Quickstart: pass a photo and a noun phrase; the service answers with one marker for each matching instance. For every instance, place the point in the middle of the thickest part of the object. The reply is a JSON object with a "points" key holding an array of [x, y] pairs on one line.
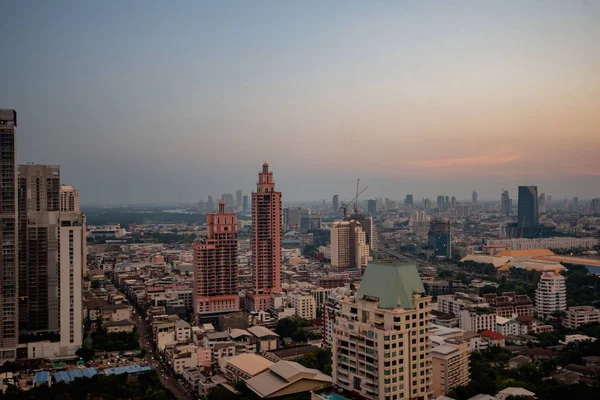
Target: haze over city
{"points": [[177, 101]]}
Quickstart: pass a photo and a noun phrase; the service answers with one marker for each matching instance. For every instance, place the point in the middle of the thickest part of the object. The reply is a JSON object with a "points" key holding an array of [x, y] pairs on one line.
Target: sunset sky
{"points": [[181, 99]]}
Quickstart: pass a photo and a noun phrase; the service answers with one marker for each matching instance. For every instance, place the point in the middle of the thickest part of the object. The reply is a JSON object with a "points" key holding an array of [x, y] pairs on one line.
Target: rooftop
{"points": [[283, 375], [252, 364], [393, 285], [261, 331]]}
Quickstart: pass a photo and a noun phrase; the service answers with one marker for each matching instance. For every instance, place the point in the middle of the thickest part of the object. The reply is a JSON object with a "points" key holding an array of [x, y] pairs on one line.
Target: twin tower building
{"points": [[215, 258]]}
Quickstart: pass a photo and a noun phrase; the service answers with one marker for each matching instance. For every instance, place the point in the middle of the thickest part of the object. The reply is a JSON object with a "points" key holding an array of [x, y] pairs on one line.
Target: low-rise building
{"points": [[244, 366], [509, 304], [455, 303], [285, 378], [477, 319], [119, 326], [494, 338], [266, 339], [577, 316]]}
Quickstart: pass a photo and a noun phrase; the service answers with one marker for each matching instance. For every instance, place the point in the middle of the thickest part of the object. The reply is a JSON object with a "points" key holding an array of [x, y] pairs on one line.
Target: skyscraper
{"points": [[238, 199], [527, 219], [210, 204], [9, 244], [71, 260], [335, 203], [215, 266], [453, 203], [440, 237], [372, 207], [440, 203], [505, 203], [52, 259], [69, 198], [245, 203], [266, 240], [542, 202], [409, 200], [229, 202], [474, 197], [38, 195]]}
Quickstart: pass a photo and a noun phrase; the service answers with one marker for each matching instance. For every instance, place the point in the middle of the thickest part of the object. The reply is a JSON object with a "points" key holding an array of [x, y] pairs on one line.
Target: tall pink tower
{"points": [[266, 241]]}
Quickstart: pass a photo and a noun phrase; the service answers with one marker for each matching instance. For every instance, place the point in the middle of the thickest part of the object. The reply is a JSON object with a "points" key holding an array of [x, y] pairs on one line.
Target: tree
{"points": [[86, 353]]}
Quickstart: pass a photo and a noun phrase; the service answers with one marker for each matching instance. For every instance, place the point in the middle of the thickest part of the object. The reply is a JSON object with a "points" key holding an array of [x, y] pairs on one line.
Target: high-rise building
{"points": [[551, 294], [575, 203], [381, 337], [542, 202], [210, 204], [52, 258], [440, 203], [368, 227], [238, 199], [245, 203], [427, 205], [38, 194], [528, 217], [440, 237], [202, 206], [548, 199], [9, 245], [69, 198], [215, 266], [450, 364], [372, 207], [266, 241], [595, 205], [505, 203], [349, 247], [229, 202], [335, 203], [446, 203], [462, 210], [71, 264], [409, 200], [453, 203], [474, 197]]}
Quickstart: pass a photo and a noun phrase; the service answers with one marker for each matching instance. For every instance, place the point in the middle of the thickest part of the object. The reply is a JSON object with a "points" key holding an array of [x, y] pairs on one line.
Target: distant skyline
{"points": [[139, 100]]}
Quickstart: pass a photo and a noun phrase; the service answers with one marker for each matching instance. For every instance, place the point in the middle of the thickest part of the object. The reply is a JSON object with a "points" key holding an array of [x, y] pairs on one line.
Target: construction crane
{"points": [[355, 200]]}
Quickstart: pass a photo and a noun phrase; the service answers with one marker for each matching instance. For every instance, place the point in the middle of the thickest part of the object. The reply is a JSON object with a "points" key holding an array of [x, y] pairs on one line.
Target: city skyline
{"points": [[410, 98]]}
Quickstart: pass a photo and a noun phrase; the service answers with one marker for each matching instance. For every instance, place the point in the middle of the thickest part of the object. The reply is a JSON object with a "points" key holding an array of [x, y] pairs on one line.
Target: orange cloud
{"points": [[480, 161]]}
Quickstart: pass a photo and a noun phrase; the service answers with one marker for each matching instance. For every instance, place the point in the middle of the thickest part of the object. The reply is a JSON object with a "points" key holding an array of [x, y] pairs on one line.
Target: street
{"points": [[152, 358]]}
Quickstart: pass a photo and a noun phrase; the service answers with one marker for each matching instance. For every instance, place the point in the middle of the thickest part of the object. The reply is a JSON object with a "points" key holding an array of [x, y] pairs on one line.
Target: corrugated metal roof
{"points": [[393, 284], [69, 376], [41, 377], [128, 369]]}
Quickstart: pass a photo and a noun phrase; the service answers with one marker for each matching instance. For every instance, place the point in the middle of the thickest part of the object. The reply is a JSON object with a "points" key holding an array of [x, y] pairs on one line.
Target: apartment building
{"points": [[349, 248], [304, 304], [577, 316], [551, 295], [381, 336], [215, 266], [509, 304], [455, 303], [450, 364], [477, 319]]}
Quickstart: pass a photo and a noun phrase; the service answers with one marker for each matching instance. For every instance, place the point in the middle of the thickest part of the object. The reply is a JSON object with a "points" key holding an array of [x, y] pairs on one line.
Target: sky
{"points": [[146, 100]]}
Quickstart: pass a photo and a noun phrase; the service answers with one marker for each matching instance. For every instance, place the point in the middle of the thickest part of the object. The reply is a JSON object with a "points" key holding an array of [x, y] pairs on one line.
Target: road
{"points": [[403, 257], [152, 358]]}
